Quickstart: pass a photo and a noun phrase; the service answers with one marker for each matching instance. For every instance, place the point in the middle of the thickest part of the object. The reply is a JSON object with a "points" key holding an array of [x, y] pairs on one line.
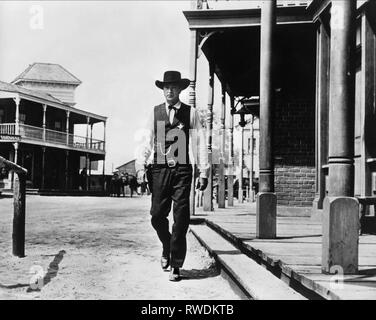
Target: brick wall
{"points": [[295, 153]]}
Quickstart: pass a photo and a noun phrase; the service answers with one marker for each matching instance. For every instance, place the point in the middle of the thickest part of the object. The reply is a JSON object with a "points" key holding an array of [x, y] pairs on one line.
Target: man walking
{"points": [[169, 145]]}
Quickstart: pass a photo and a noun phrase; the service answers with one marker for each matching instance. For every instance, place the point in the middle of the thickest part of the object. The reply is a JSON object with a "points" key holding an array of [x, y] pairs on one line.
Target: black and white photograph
{"points": [[188, 155]]}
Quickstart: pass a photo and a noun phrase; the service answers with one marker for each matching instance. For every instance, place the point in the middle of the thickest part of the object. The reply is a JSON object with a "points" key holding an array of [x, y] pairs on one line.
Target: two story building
{"points": [[38, 129]]}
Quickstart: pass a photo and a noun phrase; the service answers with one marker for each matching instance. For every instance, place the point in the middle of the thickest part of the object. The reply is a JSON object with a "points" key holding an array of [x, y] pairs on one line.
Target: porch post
{"points": [[43, 167], [17, 100], [44, 122], [66, 169], [208, 193], [104, 156], [322, 107], [251, 193], [221, 182], [266, 202], [91, 135], [87, 132], [241, 159], [104, 136], [192, 101], [230, 179], [16, 145], [67, 127], [368, 96], [87, 172], [104, 174], [341, 209]]}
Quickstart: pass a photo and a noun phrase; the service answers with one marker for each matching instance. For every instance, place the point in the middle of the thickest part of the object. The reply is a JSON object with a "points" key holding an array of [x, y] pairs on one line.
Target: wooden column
{"points": [[230, 180], [19, 199], [241, 159], [87, 171], [104, 136], [322, 109], [43, 167], [89, 174], [368, 101], [221, 183], [104, 157], [91, 136], [266, 208], [104, 175], [87, 132], [192, 100], [67, 127], [208, 193], [16, 146], [251, 193], [66, 169], [17, 100], [340, 218], [44, 122]]}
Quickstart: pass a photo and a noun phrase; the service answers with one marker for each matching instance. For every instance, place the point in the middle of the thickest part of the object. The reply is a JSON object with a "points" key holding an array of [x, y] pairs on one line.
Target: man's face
{"points": [[171, 93]]}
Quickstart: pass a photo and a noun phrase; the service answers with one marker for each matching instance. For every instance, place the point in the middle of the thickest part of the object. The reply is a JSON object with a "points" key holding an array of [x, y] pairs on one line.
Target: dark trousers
{"points": [[172, 185]]}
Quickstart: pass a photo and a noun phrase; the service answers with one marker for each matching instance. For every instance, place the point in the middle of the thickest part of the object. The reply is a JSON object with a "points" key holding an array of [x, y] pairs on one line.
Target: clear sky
{"points": [[116, 48]]}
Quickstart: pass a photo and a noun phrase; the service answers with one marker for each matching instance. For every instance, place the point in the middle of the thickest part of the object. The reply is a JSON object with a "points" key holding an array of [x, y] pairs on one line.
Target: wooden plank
{"points": [[9, 165], [299, 255], [260, 283]]}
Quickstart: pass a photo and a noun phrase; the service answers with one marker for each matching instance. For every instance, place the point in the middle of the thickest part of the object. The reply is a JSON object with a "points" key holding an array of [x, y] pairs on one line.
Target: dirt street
{"points": [[98, 248]]}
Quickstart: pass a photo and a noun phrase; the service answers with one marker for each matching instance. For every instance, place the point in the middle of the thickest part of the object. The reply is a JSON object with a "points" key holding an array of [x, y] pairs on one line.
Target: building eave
{"points": [[63, 107], [46, 81], [217, 19]]}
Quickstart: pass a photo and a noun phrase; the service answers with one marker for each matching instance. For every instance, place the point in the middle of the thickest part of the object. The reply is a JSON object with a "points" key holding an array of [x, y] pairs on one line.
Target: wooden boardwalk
{"points": [[297, 251]]}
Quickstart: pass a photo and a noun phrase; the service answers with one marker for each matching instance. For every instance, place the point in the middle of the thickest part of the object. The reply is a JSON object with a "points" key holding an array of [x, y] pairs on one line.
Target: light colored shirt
{"points": [[198, 153]]}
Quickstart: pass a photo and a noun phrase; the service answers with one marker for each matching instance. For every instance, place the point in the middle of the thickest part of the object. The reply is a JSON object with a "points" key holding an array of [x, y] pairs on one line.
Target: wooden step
{"points": [[254, 279]]}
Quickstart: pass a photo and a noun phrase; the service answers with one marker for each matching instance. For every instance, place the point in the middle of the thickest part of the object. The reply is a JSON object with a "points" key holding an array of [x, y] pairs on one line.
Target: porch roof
{"points": [[45, 98], [232, 18]]}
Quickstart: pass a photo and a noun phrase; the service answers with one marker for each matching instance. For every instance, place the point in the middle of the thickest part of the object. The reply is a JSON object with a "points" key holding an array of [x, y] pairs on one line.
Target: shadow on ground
{"points": [[52, 271], [196, 274]]}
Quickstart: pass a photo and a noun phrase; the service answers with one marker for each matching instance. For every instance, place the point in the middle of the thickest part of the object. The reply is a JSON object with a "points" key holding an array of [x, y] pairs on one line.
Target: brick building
{"points": [[300, 122]]}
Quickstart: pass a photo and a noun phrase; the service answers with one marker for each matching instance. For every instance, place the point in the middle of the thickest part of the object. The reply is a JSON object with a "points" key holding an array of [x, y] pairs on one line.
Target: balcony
{"points": [[57, 138]]}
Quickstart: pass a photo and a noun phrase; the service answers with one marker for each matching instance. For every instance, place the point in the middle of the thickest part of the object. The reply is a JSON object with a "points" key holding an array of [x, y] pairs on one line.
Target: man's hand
{"points": [[202, 184]]}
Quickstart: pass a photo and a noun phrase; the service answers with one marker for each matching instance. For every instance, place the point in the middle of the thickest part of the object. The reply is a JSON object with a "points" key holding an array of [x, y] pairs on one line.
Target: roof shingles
{"points": [[47, 72]]}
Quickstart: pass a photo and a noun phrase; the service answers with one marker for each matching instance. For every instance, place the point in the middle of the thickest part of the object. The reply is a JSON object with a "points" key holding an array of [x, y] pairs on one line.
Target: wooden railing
{"points": [[8, 131]]}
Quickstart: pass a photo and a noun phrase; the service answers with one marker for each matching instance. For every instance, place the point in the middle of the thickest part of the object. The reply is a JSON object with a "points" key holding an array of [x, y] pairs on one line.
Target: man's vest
{"points": [[171, 141]]}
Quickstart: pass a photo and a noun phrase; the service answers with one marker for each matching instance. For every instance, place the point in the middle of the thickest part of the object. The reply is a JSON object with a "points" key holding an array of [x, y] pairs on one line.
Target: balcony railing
{"points": [[8, 132]]}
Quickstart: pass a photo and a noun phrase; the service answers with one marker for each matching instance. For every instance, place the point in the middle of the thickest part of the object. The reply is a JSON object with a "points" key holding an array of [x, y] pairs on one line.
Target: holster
{"points": [[149, 176]]}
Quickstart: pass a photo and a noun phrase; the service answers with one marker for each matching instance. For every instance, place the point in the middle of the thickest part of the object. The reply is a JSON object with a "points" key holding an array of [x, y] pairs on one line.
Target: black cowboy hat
{"points": [[172, 77]]}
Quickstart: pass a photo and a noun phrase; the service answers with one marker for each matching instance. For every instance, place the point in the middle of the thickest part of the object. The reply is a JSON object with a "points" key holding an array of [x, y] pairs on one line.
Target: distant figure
{"points": [[123, 183], [83, 178], [115, 185], [131, 181]]}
